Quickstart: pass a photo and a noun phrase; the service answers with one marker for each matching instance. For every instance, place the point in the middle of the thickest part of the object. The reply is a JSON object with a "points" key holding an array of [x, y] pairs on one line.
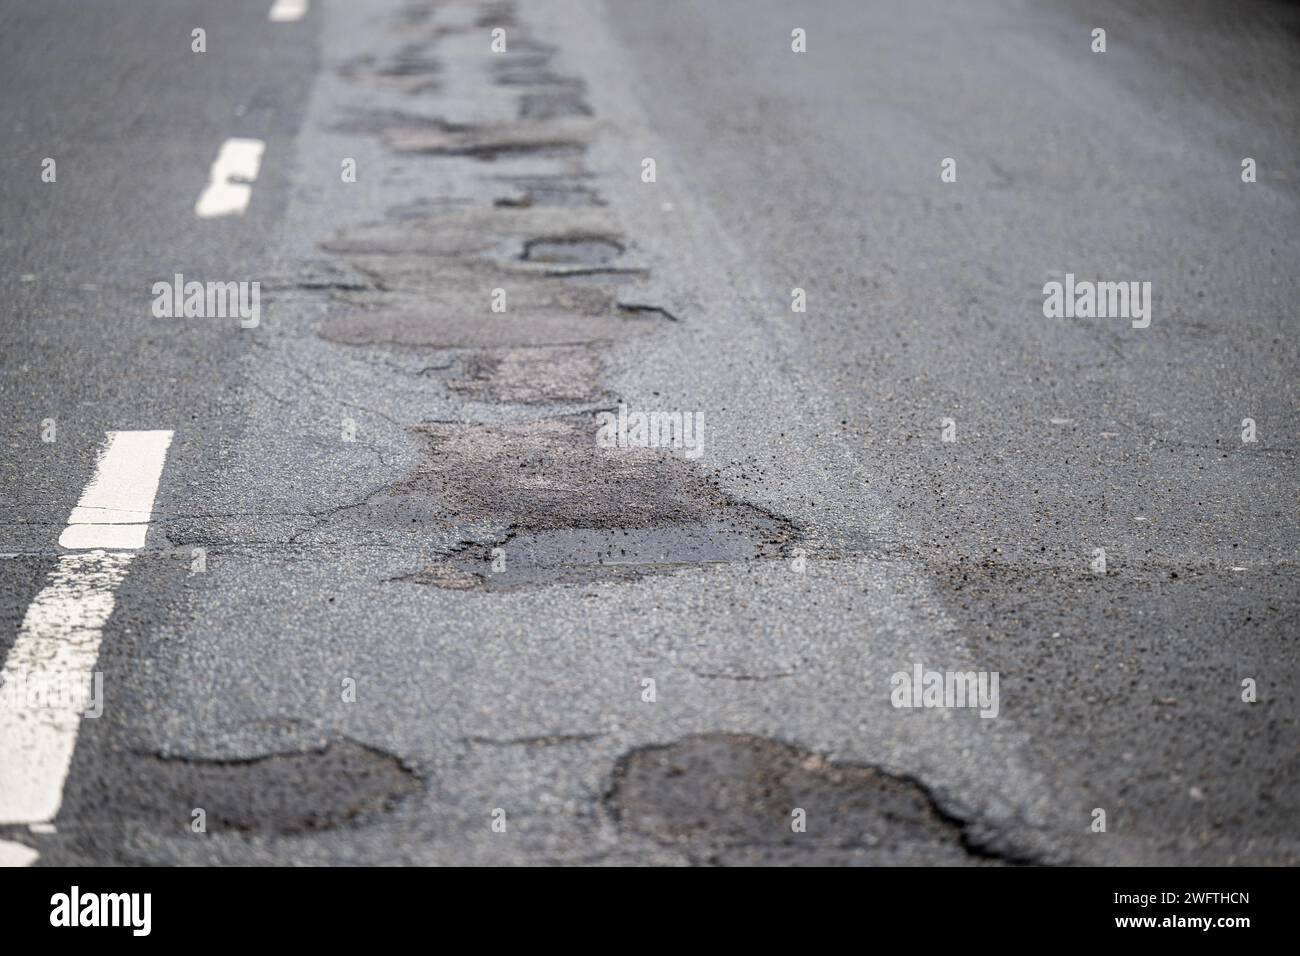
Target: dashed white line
{"points": [[229, 188], [286, 11], [61, 632]]}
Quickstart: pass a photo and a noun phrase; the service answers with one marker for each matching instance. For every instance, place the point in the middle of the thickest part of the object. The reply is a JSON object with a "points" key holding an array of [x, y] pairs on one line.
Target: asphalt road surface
{"points": [[385, 568]]}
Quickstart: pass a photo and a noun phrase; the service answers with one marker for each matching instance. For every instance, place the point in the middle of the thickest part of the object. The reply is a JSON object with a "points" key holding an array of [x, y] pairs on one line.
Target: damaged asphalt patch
{"points": [[283, 794], [548, 191], [541, 138], [588, 250], [553, 104], [568, 509], [549, 254], [550, 474], [586, 554], [730, 798], [409, 71], [526, 275], [531, 376], [431, 281]]}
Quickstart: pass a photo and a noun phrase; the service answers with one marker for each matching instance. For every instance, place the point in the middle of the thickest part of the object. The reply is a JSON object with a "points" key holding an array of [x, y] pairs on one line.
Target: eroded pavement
{"points": [[433, 600]]}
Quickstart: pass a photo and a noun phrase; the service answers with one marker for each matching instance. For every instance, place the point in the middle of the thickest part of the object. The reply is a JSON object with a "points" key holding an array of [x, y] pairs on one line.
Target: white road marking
{"points": [[58, 643], [285, 11], [115, 508], [229, 188], [15, 854]]}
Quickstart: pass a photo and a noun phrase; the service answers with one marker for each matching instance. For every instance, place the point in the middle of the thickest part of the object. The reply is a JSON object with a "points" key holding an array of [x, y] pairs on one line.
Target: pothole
{"points": [[575, 555], [410, 63], [556, 312], [643, 309], [379, 121], [431, 278], [343, 783], [408, 73], [502, 15], [568, 509], [531, 376], [549, 191], [732, 798], [527, 138], [524, 74], [552, 104], [550, 474], [578, 249]]}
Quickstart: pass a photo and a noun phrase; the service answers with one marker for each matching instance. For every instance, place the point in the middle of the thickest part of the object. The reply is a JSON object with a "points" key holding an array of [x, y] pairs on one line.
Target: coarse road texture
{"points": [[400, 603]]}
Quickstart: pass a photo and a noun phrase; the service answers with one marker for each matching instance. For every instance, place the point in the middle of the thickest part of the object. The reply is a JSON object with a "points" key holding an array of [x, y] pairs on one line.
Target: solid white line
{"points": [[228, 190], [58, 643], [16, 854], [115, 508], [285, 11]]}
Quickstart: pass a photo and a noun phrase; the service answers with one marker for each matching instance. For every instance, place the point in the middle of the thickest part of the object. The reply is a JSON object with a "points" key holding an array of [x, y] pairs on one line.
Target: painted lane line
{"points": [[229, 187], [286, 11], [57, 645], [16, 854], [115, 508]]}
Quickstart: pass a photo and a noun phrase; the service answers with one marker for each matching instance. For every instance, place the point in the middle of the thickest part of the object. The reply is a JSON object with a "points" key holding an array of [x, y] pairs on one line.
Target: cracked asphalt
{"points": [[434, 620]]}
